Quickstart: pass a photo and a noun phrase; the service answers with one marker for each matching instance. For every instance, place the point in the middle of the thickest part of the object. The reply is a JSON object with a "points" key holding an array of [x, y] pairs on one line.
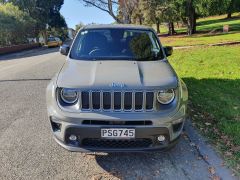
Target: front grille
{"points": [[116, 144], [129, 123], [117, 100]]}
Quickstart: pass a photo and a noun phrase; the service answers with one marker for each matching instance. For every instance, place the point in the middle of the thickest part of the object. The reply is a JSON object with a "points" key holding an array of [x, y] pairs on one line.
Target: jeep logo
{"points": [[117, 85]]}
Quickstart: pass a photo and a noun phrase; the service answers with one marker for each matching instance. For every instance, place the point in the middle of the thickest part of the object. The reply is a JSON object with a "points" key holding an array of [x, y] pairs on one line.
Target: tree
{"points": [[120, 10], [188, 11], [215, 7], [169, 15], [137, 16], [45, 13], [191, 17], [16, 25], [232, 6], [128, 9], [79, 26], [158, 11], [58, 32], [106, 6], [151, 12]]}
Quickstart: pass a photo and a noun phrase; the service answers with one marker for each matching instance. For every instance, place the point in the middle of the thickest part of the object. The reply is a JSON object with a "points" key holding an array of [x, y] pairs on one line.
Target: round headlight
{"points": [[69, 96], [166, 96]]}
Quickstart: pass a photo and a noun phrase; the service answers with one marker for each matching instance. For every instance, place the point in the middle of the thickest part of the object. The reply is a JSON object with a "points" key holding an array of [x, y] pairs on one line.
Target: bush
{"points": [[16, 25]]}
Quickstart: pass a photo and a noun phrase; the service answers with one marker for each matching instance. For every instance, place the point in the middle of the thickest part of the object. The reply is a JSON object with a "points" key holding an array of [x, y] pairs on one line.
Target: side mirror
{"points": [[168, 50], [64, 49]]}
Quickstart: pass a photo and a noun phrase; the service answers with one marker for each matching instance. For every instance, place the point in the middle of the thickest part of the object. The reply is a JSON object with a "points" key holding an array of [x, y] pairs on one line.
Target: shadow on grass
{"points": [[218, 102], [213, 21], [232, 27]]}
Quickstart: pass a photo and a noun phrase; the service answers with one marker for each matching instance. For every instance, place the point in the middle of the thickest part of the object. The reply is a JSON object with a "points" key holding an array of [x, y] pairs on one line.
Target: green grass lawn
{"points": [[211, 32], [217, 22], [212, 75], [200, 39]]}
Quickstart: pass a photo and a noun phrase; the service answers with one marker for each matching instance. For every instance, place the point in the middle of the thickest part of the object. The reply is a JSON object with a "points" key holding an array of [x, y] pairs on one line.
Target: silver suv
{"points": [[116, 92]]}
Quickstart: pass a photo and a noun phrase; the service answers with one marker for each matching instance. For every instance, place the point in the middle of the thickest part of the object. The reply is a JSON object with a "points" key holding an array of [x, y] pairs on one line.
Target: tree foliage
{"points": [[45, 14], [165, 11], [16, 25], [159, 11], [108, 6], [79, 26]]}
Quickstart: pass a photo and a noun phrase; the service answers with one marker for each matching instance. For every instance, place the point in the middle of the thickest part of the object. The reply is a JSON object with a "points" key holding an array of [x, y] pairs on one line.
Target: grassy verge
{"points": [[202, 39], [213, 78], [210, 32]]}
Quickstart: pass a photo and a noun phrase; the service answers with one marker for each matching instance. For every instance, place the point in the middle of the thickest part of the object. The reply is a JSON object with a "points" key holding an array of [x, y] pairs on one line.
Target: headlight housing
{"points": [[69, 96], [166, 96]]}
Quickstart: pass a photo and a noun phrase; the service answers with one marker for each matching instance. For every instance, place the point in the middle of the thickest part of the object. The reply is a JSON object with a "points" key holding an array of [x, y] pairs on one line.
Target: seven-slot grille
{"points": [[117, 100]]}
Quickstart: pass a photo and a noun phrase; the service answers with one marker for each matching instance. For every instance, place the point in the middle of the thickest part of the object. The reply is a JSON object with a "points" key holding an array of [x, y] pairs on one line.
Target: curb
{"points": [[208, 153], [24, 52]]}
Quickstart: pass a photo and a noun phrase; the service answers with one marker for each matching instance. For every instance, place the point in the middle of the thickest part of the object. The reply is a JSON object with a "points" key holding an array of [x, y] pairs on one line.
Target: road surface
{"points": [[28, 151]]}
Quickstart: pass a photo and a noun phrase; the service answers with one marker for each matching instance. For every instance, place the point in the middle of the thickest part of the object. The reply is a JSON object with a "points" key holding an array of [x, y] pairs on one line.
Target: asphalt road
{"points": [[28, 151]]}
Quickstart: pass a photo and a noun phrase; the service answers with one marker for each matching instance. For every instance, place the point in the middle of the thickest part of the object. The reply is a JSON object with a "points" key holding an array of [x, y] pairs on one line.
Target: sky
{"points": [[74, 12]]}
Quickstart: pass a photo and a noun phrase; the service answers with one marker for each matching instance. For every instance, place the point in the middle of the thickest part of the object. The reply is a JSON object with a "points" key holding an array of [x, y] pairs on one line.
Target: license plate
{"points": [[118, 133]]}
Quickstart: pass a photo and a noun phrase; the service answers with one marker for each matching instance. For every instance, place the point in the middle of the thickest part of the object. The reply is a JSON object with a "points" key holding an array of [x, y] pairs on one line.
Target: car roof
{"points": [[117, 26]]}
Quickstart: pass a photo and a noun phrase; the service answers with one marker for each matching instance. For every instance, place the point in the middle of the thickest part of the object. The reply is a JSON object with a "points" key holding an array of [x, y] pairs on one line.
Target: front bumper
{"points": [[89, 137], [162, 147]]}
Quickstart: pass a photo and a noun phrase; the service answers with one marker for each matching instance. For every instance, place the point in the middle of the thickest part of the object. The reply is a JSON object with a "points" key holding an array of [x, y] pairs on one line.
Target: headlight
{"points": [[166, 96], [69, 96]]}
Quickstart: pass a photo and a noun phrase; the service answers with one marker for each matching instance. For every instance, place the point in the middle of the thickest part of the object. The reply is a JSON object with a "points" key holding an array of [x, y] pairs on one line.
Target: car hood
{"points": [[117, 74]]}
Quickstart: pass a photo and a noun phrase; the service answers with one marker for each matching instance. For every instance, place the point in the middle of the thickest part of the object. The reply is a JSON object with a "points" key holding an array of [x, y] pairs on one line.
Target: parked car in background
{"points": [[54, 42], [116, 92]]}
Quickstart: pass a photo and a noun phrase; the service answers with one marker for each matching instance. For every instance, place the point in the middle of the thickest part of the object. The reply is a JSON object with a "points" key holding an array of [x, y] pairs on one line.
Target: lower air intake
{"points": [[116, 144]]}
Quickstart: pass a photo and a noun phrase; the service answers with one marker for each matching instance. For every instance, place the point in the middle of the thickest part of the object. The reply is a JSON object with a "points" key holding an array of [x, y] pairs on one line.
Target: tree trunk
{"points": [[194, 23], [230, 9], [229, 15], [171, 29], [158, 26], [191, 20], [140, 20], [178, 25]]}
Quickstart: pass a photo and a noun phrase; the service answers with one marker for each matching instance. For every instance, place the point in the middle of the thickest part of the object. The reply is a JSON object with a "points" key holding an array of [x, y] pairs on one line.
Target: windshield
{"points": [[51, 39], [116, 44]]}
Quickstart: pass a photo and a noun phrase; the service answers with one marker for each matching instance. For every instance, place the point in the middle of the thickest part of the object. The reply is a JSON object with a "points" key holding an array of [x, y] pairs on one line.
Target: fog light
{"points": [[72, 138], [161, 138]]}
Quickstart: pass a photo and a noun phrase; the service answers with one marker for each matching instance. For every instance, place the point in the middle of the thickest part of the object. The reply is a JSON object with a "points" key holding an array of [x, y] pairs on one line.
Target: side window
{"points": [[107, 35], [154, 41], [127, 34]]}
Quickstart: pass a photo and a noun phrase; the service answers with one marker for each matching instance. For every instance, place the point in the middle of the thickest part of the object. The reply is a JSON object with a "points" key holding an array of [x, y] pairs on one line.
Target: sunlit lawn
{"points": [[211, 32], [200, 39], [212, 75]]}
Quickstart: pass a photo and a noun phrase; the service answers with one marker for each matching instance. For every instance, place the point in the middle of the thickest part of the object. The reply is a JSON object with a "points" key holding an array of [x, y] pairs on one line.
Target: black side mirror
{"points": [[64, 49], [168, 50]]}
